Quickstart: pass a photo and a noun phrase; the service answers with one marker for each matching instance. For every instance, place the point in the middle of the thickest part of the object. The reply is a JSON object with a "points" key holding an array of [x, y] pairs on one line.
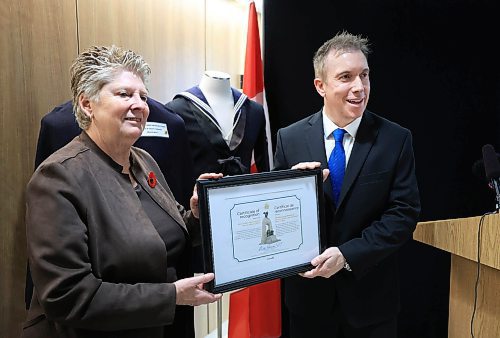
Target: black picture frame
{"points": [[259, 227]]}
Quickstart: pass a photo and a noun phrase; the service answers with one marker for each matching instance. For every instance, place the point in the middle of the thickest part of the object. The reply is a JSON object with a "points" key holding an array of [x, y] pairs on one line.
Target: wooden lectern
{"points": [[460, 238]]}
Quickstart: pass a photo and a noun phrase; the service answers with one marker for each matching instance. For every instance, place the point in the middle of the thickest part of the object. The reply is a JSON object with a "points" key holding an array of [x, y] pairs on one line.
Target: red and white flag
{"points": [[253, 77], [255, 311]]}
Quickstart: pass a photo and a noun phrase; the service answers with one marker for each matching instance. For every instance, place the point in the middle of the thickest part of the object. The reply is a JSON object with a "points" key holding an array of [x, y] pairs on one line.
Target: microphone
{"points": [[492, 170]]}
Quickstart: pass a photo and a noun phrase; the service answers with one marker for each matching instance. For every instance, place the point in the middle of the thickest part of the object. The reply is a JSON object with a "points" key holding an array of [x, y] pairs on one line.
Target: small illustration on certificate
{"points": [[266, 227]]}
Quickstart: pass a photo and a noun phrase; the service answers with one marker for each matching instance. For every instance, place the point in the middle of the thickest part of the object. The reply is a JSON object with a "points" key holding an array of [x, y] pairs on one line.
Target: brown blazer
{"points": [[98, 263]]}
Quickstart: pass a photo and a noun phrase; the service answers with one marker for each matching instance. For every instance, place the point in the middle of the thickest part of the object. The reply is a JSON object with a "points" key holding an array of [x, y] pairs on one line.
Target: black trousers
{"points": [[336, 326]]}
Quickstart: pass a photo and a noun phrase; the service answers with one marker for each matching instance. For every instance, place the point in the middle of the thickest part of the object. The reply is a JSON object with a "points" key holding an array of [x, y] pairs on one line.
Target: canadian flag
{"points": [[255, 311], [253, 77]]}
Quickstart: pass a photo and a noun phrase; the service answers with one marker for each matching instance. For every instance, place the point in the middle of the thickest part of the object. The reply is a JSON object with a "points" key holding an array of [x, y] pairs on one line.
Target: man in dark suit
{"points": [[371, 201], [164, 137]]}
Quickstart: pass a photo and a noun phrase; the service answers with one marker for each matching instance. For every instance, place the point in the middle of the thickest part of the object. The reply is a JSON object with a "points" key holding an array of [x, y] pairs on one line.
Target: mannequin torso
{"points": [[216, 88]]}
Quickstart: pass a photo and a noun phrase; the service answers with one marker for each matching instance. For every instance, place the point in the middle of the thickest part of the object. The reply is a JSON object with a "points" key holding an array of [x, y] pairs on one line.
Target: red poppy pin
{"points": [[152, 179]]}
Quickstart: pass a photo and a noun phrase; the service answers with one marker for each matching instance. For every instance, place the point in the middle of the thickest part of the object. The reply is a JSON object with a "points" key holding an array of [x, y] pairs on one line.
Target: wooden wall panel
{"points": [[226, 38], [38, 43], [169, 34], [40, 39]]}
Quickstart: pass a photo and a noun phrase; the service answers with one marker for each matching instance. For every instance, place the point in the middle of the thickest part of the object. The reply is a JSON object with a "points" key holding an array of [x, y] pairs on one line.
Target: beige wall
{"points": [[40, 38]]}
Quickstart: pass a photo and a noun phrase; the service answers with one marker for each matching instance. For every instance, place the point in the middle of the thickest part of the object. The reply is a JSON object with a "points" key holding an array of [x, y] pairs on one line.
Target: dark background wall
{"points": [[432, 70]]}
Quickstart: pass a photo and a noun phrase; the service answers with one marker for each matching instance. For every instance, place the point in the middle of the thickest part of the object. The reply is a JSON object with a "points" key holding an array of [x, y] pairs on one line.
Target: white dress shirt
{"points": [[349, 137]]}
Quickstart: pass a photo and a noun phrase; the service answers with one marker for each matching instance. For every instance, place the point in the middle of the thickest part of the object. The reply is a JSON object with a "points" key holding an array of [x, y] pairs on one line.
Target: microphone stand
{"points": [[496, 187]]}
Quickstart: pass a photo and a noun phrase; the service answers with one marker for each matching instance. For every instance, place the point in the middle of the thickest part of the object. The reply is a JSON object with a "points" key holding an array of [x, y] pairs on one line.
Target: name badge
{"points": [[155, 129]]}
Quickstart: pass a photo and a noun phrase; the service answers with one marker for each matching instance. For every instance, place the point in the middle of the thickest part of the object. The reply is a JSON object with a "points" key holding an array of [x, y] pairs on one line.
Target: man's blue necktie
{"points": [[336, 164]]}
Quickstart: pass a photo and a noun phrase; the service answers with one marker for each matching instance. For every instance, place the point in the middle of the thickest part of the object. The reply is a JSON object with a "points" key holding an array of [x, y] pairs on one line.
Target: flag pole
{"points": [[255, 311], [219, 318]]}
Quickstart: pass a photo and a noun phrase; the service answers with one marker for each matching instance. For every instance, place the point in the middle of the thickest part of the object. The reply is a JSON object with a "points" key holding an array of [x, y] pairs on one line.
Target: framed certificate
{"points": [[259, 227]]}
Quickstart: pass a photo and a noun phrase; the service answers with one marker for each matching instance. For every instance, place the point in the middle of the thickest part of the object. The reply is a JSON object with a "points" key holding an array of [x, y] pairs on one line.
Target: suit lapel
{"points": [[158, 193], [316, 145], [365, 138]]}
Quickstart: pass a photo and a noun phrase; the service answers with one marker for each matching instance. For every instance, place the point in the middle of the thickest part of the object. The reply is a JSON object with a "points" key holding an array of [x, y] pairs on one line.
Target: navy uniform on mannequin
{"points": [[164, 137], [223, 127], [371, 202]]}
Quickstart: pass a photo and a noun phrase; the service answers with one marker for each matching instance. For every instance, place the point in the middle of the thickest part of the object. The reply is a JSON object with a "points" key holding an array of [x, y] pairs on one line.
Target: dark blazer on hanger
{"points": [[377, 213], [59, 127], [172, 153]]}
